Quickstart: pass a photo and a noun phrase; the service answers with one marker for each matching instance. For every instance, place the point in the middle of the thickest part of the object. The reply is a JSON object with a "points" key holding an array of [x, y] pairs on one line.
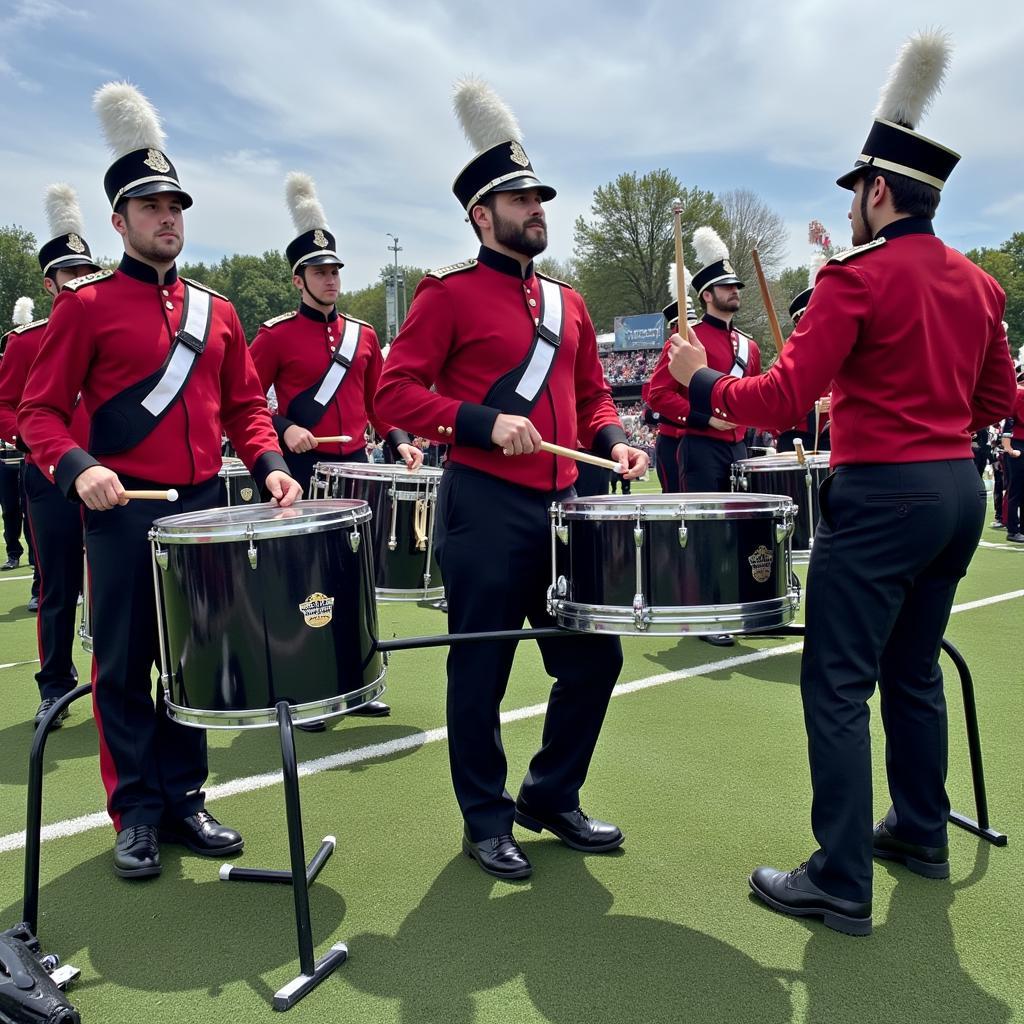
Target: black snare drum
{"points": [[404, 505], [673, 563], [239, 486], [783, 474], [262, 604]]}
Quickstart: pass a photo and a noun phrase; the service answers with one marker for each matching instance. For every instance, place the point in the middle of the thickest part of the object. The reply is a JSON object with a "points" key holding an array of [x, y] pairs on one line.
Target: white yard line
{"points": [[15, 664], [10, 579], [251, 783], [1005, 546]]}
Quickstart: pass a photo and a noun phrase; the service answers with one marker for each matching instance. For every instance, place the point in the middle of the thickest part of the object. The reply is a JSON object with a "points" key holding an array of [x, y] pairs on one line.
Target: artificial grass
{"points": [[706, 775]]}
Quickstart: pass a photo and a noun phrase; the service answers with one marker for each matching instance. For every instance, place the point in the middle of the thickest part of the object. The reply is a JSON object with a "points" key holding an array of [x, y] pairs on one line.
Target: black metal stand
{"points": [[300, 877], [981, 827]]}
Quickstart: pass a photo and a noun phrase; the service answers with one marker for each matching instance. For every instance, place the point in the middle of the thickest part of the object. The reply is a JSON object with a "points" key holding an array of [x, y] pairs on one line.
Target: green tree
{"points": [[19, 274], [560, 270], [622, 253], [1006, 265], [370, 303]]}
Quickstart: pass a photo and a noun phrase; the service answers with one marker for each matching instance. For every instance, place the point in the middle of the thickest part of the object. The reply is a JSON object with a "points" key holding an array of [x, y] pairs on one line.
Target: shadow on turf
{"points": [[783, 668], [75, 740]]}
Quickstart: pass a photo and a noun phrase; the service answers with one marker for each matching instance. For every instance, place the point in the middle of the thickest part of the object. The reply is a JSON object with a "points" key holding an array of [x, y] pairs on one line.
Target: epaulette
{"points": [[356, 320], [842, 257], [455, 268], [275, 320], [744, 333], [28, 327], [79, 282], [548, 277], [204, 287]]}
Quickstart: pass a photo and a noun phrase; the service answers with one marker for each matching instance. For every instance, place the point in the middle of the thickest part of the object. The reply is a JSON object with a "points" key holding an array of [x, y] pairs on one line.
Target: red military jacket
{"points": [[469, 325], [108, 331], [667, 395], [671, 404], [910, 333], [1014, 426], [292, 352], [20, 348]]}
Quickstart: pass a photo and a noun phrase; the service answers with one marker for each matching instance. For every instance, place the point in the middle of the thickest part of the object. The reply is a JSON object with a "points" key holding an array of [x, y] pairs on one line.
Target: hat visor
{"points": [[320, 259], [731, 279], [151, 188], [850, 178], [67, 262], [525, 184]]}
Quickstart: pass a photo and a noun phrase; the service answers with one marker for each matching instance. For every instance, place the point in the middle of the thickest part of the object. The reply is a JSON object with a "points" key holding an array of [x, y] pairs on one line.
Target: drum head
{"points": [[374, 471], [676, 506], [782, 462], [244, 522]]}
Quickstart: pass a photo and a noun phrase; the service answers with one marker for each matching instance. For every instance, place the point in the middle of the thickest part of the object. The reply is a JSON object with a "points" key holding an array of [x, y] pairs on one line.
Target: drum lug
{"points": [[641, 614], [683, 535], [161, 558], [638, 535], [561, 530], [784, 530], [354, 539], [562, 533], [250, 532]]}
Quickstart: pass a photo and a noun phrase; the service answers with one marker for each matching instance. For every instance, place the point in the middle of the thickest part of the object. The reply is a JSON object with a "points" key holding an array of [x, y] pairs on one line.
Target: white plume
{"points": [[818, 260], [129, 121], [23, 308], [303, 204], [62, 210], [485, 117], [673, 285], [709, 246], [915, 78]]}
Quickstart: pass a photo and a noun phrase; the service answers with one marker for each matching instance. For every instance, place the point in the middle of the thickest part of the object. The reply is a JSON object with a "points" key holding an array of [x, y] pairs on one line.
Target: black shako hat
{"points": [[67, 246], [315, 242], [143, 172]]}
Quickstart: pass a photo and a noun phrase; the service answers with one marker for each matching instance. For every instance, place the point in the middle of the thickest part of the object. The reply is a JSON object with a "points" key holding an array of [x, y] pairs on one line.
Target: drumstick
{"points": [[677, 221], [769, 306], [168, 495], [817, 424], [334, 439], [798, 447], [569, 453]]}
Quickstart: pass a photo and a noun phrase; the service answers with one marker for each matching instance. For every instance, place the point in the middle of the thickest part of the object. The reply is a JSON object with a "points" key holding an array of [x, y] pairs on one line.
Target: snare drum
{"points": [[11, 456], [673, 563], [783, 474], [262, 604], [239, 486], [404, 505]]}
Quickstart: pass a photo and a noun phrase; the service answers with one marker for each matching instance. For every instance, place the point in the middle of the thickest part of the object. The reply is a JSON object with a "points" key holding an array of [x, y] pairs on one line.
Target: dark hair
{"points": [[488, 201], [909, 195]]}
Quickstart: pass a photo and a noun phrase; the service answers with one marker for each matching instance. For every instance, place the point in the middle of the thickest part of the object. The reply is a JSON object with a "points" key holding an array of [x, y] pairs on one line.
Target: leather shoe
{"points": [[136, 852], [42, 710], [11, 563], [311, 726], [371, 709], [927, 861], [719, 640], [500, 856], [33, 604], [574, 828], [202, 833], [792, 892]]}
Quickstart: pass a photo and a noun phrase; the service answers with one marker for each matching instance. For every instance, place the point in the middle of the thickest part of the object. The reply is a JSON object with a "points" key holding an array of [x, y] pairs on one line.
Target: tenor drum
{"points": [[239, 486], [404, 506], [673, 563], [262, 604], [783, 474]]}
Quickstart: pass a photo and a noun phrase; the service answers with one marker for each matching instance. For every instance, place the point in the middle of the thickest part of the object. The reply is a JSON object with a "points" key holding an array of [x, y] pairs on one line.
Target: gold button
{"points": [[533, 302], [447, 430], [440, 430], [165, 292], [333, 347], [169, 305], [51, 471], [719, 411]]}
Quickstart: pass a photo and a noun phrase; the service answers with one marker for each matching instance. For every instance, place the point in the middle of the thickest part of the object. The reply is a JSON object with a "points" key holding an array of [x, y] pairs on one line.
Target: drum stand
{"points": [[300, 877]]}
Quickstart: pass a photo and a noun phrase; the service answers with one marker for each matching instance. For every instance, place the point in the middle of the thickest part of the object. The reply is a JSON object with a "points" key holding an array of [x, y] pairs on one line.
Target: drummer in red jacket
{"points": [[161, 365], [909, 333], [514, 358]]}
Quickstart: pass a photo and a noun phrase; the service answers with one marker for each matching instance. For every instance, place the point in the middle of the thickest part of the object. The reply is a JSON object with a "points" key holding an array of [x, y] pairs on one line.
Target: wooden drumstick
{"points": [[334, 439], [798, 447], [677, 224], [569, 453], [817, 425], [769, 306], [169, 495]]}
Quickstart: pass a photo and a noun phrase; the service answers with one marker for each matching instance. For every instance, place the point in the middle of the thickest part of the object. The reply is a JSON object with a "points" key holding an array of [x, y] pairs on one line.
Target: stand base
{"points": [[285, 998], [970, 825]]}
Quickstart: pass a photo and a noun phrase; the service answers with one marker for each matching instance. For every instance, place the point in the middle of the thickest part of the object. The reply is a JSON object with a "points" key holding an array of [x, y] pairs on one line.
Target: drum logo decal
{"points": [[761, 563], [317, 610], [246, 494]]}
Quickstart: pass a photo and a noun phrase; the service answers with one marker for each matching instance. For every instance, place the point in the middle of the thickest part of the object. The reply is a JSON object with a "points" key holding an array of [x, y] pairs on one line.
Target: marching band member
{"points": [[514, 358], [909, 332], [55, 523], [1012, 441], [161, 364]]}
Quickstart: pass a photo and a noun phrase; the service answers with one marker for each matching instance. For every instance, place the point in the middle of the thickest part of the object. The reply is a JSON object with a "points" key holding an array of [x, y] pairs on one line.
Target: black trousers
{"points": [[151, 765], [10, 507], [892, 544], [666, 462], [1014, 488], [55, 526], [998, 485], [300, 464], [706, 464], [493, 545]]}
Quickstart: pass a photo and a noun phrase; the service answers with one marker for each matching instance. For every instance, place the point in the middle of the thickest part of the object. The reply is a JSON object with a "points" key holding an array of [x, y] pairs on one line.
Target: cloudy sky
{"points": [[776, 98]]}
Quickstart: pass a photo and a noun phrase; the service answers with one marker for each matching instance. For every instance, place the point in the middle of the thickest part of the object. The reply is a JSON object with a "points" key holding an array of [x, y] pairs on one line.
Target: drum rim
{"points": [[669, 507], [325, 514], [385, 472], [774, 464]]}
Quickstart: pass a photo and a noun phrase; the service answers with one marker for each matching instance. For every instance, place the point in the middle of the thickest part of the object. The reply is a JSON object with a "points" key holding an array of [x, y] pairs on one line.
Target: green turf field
{"points": [[703, 768]]}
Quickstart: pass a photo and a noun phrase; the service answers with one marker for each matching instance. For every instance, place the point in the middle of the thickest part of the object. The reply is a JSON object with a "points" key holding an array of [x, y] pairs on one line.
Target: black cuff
{"points": [[698, 420], [266, 464], [606, 439], [700, 392], [281, 424], [474, 423], [396, 437], [72, 464]]}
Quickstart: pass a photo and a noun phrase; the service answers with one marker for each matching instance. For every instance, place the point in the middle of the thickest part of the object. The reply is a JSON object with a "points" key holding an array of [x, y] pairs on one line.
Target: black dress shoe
{"points": [[43, 708], [33, 604], [719, 640], [11, 563], [202, 833], [927, 861], [136, 852], [311, 726], [499, 856], [792, 892], [371, 709], [574, 828]]}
